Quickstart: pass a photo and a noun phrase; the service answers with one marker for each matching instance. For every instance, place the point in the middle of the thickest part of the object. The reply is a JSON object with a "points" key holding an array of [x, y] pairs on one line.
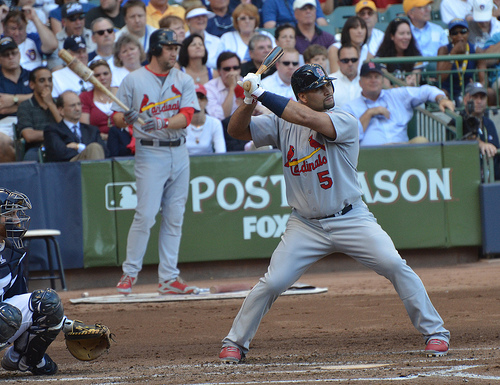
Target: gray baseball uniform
{"points": [[162, 172], [328, 216]]}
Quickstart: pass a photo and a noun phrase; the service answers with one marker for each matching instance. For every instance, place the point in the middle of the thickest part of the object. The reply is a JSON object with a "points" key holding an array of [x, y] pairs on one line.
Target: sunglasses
{"points": [[80, 16], [287, 63], [349, 59], [227, 69], [103, 31], [462, 31]]}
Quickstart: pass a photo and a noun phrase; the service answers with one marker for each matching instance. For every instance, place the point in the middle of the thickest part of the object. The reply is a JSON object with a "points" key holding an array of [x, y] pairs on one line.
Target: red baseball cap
{"points": [[201, 89]]}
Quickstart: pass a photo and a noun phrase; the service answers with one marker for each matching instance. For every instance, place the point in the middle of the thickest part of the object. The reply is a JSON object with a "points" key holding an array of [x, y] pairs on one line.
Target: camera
{"points": [[471, 124]]}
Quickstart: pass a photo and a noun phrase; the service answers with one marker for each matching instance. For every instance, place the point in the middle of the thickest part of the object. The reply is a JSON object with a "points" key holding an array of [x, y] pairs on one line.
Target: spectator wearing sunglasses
{"points": [[221, 90], [280, 81], [222, 22], [457, 75], [399, 41], [55, 15], [246, 21], [73, 18], [346, 81], [32, 46], [104, 36], [367, 10], [135, 23]]}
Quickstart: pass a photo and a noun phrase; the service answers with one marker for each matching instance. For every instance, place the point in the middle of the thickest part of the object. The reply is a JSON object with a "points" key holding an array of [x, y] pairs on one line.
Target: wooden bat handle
{"points": [[247, 85], [87, 75]]}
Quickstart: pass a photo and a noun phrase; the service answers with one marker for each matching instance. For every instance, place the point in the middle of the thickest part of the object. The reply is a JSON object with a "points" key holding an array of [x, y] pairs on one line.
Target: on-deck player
{"points": [[165, 99], [320, 147]]}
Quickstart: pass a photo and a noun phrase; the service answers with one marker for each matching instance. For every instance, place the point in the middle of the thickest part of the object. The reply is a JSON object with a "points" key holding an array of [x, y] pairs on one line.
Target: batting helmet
{"points": [[159, 38], [12, 215], [309, 77]]}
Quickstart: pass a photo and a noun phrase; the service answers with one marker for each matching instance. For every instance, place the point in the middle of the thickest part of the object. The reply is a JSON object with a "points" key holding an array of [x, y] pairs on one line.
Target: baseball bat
{"points": [[271, 58], [230, 287], [87, 75]]}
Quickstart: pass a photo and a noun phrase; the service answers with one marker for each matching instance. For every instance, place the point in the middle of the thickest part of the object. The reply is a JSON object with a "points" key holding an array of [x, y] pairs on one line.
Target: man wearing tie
{"points": [[70, 140]]}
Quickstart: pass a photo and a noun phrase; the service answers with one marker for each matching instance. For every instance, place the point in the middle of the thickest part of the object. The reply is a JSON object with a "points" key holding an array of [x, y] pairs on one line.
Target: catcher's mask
{"points": [[309, 77], [12, 215]]}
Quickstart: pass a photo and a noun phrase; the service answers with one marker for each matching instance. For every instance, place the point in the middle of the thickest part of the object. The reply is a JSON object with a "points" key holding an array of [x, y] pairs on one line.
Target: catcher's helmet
{"points": [[309, 77], [159, 38], [16, 221]]}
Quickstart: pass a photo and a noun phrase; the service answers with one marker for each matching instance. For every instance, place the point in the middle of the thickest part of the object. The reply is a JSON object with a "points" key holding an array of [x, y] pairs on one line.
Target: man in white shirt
{"points": [[367, 10], [103, 35], [346, 84], [429, 36], [280, 81], [197, 20], [483, 24], [135, 23], [65, 79]]}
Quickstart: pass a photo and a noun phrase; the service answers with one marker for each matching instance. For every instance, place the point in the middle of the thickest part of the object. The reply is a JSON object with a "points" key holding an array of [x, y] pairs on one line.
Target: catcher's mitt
{"points": [[88, 342]]}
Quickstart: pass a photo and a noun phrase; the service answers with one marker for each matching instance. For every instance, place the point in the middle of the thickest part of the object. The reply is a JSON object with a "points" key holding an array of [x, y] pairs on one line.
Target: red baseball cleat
{"points": [[125, 284], [436, 348], [231, 355]]}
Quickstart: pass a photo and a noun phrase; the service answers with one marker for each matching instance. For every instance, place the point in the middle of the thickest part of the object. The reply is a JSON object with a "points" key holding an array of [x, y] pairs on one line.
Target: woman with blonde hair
{"points": [[128, 55], [246, 21]]}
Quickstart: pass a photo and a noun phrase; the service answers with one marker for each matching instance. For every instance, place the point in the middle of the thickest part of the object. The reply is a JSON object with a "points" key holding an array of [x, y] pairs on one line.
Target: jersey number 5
{"points": [[324, 180]]}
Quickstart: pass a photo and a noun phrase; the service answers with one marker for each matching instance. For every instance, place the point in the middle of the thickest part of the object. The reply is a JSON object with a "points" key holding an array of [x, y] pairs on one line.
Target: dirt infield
{"points": [[357, 332]]}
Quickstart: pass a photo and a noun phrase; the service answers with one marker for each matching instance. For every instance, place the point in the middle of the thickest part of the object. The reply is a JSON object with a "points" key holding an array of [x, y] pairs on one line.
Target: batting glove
{"points": [[155, 124], [130, 117], [255, 89]]}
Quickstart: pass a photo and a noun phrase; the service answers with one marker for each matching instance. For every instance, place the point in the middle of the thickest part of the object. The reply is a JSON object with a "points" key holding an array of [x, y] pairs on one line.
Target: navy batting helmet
{"points": [[309, 77], [159, 38]]}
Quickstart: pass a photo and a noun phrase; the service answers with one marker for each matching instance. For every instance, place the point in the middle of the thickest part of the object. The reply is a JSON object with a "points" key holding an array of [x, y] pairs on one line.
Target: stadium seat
{"points": [[339, 16], [393, 11]]}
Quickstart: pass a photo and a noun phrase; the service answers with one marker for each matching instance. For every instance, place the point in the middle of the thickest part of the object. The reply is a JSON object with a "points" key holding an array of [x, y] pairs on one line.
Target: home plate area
{"points": [[214, 292]]}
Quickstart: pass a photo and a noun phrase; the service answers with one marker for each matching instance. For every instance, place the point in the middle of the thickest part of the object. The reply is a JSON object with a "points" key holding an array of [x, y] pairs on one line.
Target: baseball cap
{"points": [[200, 11], [7, 43], [366, 68], [74, 43], [70, 9], [408, 5], [457, 23], [365, 4], [482, 10], [475, 88], [298, 4], [200, 89]]}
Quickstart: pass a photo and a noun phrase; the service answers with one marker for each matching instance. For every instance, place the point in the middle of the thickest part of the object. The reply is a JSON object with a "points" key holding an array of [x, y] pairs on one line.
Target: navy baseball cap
{"points": [[7, 43], [457, 23], [74, 43], [70, 9], [366, 68]]}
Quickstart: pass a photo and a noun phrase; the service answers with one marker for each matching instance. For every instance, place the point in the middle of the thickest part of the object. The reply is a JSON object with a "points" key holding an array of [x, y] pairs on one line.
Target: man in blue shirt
{"points": [[14, 80], [383, 115], [277, 12]]}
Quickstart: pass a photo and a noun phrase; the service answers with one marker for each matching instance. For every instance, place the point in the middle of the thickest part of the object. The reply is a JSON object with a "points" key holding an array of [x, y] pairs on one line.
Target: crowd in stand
{"points": [[222, 41]]}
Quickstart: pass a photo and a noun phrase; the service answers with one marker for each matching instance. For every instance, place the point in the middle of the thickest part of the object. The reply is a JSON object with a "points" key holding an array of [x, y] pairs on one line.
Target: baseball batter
{"points": [[320, 150], [165, 99]]}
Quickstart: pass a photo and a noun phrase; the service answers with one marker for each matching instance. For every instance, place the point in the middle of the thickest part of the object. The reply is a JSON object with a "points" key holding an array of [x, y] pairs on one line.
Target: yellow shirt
{"points": [[153, 16]]}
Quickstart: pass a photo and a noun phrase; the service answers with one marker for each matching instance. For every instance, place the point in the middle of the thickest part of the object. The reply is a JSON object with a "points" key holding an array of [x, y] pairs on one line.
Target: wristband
{"points": [[275, 103]]}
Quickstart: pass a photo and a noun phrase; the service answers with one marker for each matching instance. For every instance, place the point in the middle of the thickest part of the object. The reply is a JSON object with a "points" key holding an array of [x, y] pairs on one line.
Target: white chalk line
{"points": [[458, 371]]}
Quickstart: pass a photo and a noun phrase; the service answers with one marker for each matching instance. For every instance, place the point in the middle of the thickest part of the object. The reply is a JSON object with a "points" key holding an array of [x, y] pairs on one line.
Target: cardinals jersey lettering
{"points": [[315, 167]]}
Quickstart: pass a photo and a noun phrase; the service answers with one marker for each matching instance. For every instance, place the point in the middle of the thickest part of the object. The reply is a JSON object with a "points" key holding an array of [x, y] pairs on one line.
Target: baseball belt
{"points": [[344, 211], [163, 143]]}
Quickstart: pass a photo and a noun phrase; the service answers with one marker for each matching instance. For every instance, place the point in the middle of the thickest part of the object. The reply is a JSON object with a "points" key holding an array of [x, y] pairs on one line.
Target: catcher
{"points": [[29, 322]]}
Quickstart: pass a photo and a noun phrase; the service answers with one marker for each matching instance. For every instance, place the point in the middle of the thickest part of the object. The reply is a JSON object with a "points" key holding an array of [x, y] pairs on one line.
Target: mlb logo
{"points": [[121, 196]]}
